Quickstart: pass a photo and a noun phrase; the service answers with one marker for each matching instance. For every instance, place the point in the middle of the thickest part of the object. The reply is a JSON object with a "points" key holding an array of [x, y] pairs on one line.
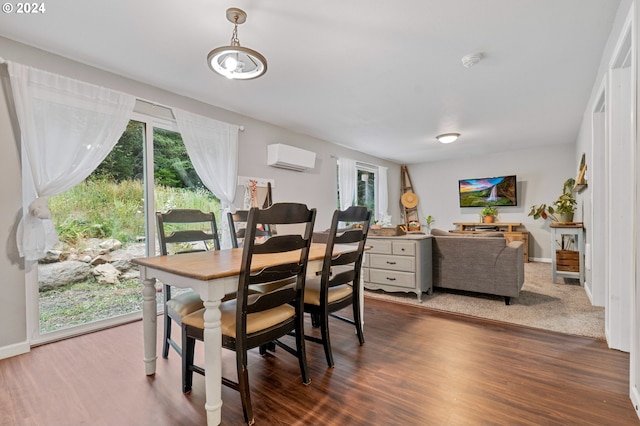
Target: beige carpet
{"points": [[562, 307]]}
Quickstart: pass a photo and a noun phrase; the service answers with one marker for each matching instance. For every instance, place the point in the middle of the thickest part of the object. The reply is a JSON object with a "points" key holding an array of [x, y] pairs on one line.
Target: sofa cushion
{"points": [[440, 233]]}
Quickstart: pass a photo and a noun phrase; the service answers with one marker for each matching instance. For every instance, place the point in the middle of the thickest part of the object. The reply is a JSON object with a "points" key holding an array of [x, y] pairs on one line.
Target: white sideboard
{"points": [[399, 264]]}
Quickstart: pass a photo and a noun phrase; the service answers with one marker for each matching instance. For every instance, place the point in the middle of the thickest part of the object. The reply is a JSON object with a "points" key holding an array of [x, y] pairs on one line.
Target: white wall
{"points": [[317, 188], [540, 173], [13, 335]]}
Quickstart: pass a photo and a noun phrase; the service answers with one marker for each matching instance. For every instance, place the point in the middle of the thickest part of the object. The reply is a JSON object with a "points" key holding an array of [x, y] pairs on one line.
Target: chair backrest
{"points": [[193, 229], [298, 245], [355, 227], [237, 227]]}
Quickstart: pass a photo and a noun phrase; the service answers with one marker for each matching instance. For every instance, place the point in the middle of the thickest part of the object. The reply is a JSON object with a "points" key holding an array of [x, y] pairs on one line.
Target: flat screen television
{"points": [[495, 191]]}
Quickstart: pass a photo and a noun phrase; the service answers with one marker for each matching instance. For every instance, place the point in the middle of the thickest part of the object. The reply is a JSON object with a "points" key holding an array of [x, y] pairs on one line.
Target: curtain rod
{"points": [[153, 103]]}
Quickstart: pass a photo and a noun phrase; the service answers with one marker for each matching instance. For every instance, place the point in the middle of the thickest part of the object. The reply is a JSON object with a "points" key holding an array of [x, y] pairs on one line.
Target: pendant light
{"points": [[234, 61]]}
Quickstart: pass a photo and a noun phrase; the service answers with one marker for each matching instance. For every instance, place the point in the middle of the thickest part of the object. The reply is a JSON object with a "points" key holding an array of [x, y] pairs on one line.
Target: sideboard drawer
{"points": [[379, 246], [392, 278], [396, 263], [405, 248]]}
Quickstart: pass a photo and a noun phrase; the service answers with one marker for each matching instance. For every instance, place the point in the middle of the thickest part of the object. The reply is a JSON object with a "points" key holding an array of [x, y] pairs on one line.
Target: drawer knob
{"points": [[389, 262], [391, 279]]}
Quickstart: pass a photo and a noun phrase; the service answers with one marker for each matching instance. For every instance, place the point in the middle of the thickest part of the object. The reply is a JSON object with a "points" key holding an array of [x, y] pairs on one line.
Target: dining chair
{"points": [[237, 227], [338, 285], [256, 319], [184, 231]]}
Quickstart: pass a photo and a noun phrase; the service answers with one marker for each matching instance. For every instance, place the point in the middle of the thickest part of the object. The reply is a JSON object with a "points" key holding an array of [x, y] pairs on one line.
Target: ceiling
{"points": [[380, 77]]}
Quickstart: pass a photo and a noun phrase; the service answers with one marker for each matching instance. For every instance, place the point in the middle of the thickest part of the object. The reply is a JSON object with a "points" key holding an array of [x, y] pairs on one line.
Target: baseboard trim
{"points": [[540, 259], [15, 349]]}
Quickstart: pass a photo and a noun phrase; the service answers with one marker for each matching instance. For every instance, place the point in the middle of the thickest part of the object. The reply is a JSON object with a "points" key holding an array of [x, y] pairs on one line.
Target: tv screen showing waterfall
{"points": [[495, 191]]}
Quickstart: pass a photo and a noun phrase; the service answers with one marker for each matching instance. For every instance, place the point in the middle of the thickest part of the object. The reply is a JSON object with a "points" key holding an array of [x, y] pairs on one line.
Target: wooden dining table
{"points": [[212, 274]]}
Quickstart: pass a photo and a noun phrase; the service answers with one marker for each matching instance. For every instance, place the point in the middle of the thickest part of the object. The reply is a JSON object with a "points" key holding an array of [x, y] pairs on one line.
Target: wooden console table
{"points": [[507, 229]]}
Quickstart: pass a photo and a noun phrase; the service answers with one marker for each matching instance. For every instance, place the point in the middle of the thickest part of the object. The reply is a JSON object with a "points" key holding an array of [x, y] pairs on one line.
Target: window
{"points": [[367, 185]]}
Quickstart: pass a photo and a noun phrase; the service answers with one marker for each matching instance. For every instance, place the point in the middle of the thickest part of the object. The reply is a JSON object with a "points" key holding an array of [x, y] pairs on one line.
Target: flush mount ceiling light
{"points": [[234, 61], [448, 137]]}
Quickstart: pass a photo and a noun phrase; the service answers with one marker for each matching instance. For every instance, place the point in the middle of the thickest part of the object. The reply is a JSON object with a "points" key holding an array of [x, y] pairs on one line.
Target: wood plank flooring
{"points": [[417, 367]]}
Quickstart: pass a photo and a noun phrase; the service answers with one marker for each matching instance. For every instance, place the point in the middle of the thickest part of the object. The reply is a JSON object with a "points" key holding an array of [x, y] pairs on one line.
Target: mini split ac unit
{"points": [[290, 157]]}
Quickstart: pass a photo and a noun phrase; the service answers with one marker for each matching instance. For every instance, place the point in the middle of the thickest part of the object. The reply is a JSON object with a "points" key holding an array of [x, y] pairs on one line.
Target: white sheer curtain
{"points": [[347, 182], [383, 193], [67, 127], [213, 149]]}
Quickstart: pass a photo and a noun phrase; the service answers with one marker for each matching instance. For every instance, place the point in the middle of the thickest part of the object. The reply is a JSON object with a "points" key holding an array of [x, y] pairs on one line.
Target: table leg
{"points": [[149, 324], [213, 361]]}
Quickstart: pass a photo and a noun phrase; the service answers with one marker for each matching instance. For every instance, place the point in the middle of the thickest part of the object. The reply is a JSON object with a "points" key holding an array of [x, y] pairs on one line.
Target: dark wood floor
{"points": [[418, 367]]}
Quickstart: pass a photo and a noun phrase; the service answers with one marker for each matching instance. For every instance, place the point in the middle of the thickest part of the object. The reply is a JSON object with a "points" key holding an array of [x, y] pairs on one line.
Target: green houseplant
{"points": [[488, 214], [429, 220], [562, 209]]}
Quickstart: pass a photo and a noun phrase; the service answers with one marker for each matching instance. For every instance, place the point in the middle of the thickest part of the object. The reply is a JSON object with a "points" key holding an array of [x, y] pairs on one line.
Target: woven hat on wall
{"points": [[409, 200]]}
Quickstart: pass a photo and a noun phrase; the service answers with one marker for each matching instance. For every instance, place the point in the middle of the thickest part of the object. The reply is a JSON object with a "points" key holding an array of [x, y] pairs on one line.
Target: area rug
{"points": [[562, 306]]}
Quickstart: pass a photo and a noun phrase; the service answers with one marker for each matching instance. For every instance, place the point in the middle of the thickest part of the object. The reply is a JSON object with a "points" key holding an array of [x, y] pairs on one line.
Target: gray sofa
{"points": [[478, 263]]}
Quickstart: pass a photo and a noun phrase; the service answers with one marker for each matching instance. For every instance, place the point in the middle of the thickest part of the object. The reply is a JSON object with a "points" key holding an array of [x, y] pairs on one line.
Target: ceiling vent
{"points": [[290, 157]]}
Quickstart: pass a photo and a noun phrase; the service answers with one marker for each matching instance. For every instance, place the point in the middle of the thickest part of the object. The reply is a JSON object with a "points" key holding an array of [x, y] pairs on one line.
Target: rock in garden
{"points": [[51, 256], [54, 275], [101, 260], [111, 244], [106, 274]]}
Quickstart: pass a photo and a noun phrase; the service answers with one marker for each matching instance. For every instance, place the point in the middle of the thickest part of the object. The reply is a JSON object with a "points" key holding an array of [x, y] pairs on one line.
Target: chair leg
{"points": [[301, 349], [188, 350], [326, 340], [357, 319], [167, 334], [243, 385], [315, 320]]}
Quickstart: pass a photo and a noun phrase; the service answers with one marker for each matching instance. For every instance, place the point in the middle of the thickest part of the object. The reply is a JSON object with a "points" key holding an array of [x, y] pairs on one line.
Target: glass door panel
{"points": [[89, 276]]}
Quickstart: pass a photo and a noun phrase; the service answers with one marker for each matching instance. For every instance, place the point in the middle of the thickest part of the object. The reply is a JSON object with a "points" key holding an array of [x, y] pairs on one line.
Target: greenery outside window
{"points": [[367, 184]]}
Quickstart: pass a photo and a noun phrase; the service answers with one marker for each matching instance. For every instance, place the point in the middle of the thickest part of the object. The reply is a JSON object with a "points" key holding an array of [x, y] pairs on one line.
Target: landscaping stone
{"points": [[106, 260], [54, 275], [111, 244], [106, 274]]}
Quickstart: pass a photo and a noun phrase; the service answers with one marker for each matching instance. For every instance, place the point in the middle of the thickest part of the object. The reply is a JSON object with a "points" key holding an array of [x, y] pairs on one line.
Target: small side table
{"points": [[576, 229]]}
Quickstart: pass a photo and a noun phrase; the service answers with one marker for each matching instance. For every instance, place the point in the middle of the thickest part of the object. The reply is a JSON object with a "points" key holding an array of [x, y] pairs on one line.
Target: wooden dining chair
{"points": [[338, 286], [183, 231], [254, 320], [237, 227]]}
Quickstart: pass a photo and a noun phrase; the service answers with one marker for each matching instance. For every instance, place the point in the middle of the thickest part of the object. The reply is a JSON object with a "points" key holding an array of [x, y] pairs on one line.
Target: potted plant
{"points": [[429, 219], [562, 209], [488, 214]]}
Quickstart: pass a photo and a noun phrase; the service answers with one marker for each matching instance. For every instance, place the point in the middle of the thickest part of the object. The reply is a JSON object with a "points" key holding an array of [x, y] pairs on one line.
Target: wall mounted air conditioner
{"points": [[290, 157]]}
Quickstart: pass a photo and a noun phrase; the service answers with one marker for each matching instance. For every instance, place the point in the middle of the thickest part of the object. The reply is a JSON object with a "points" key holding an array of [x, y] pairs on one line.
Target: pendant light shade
{"points": [[234, 61]]}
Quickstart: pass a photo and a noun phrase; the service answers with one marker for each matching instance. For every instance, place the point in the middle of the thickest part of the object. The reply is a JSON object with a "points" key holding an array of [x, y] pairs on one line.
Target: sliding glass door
{"points": [[88, 281]]}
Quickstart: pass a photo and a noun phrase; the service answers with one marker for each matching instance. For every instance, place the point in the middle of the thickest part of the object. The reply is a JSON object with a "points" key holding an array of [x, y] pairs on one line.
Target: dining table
{"points": [[212, 274]]}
